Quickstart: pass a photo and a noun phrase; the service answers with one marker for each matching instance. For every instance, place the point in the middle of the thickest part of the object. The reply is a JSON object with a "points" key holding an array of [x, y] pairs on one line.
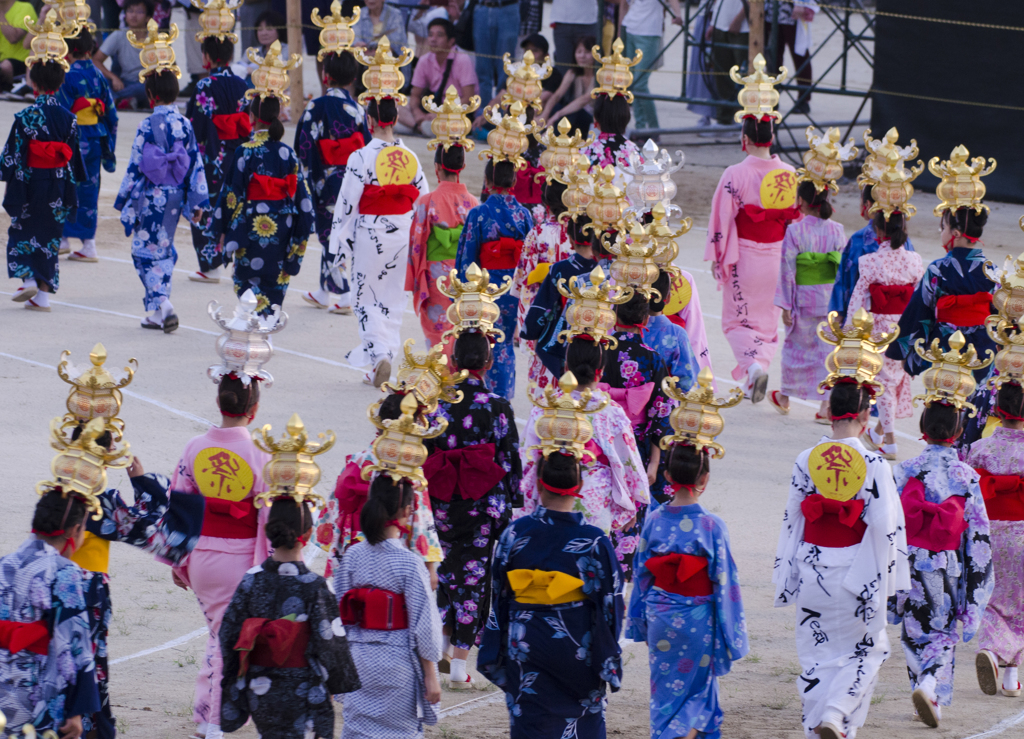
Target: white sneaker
{"points": [[757, 383]]}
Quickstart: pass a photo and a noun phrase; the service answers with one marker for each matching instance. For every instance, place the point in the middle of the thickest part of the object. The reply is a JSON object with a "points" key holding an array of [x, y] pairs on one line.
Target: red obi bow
{"points": [[230, 519], [48, 154], [262, 187], [832, 523], [98, 107], [18, 637], [470, 471], [964, 310], [890, 300], [682, 574], [372, 608], [335, 152], [389, 200], [351, 492], [633, 400], [1004, 496], [232, 126], [280, 642], [764, 225], [501, 253], [937, 527], [527, 190]]}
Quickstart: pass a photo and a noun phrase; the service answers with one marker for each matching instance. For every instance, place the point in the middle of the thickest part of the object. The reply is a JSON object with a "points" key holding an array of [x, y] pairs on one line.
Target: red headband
{"points": [[573, 491]]}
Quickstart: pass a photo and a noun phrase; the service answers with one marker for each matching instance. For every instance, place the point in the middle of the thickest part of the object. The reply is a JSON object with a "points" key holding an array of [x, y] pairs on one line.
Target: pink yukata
{"points": [[803, 353], [693, 321], [888, 268], [753, 202], [231, 471], [1002, 626], [545, 244]]}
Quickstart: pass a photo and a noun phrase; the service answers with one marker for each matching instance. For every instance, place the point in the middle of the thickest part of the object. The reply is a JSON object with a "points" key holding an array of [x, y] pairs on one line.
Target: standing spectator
{"points": [[700, 85], [495, 33], [531, 13], [794, 31], [645, 25], [12, 31], [378, 20], [572, 20], [117, 47], [730, 36], [445, 66]]}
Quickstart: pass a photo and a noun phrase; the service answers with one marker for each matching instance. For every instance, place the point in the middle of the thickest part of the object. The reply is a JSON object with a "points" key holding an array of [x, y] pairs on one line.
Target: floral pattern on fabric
{"points": [[861, 243], [614, 150]]}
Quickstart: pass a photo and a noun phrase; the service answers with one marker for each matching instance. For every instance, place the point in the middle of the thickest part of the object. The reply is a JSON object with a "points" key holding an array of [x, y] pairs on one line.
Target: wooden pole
{"points": [[296, 89], [755, 44]]}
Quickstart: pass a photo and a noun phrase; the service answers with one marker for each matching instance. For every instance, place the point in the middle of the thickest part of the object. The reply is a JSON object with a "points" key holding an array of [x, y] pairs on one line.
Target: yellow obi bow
{"points": [[88, 111], [540, 587], [538, 273]]}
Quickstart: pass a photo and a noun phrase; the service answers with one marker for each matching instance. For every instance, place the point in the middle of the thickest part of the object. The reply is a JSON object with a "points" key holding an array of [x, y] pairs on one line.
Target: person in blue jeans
{"points": [[495, 33]]}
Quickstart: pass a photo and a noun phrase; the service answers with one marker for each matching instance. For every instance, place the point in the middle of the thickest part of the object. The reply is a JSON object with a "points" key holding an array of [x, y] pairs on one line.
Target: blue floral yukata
{"points": [[165, 179], [332, 118], [945, 586], [265, 233], [859, 244], [554, 661], [673, 344], [482, 425], [501, 216], [39, 585], [222, 93], [692, 640], [39, 200], [84, 85]]}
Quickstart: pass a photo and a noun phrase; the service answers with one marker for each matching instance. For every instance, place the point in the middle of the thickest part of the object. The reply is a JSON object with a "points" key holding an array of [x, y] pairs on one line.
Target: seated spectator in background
{"points": [[575, 88], [13, 52], [539, 46], [419, 25], [269, 28], [378, 20], [571, 20], [446, 65], [128, 91]]}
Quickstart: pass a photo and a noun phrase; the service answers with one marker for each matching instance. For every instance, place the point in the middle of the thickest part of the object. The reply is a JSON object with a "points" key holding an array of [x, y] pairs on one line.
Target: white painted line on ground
{"points": [[999, 728], [471, 705], [167, 645]]}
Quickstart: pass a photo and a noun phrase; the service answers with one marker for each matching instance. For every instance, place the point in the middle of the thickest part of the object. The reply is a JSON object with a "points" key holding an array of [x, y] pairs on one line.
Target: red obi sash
{"points": [[1004, 496], [48, 154], [387, 200], [351, 492], [88, 111], [501, 253], [765, 226], [20, 637], [832, 523], [230, 519], [936, 527], [890, 300], [682, 574], [280, 642], [964, 310], [371, 608], [232, 126], [633, 400], [335, 152], [470, 471], [262, 187]]}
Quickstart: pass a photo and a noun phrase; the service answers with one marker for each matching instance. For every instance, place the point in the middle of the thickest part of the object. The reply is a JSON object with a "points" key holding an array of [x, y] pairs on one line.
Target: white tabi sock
{"points": [[446, 645], [215, 272], [42, 299], [164, 310], [1010, 678], [458, 673], [321, 296], [29, 282], [213, 732], [89, 247]]}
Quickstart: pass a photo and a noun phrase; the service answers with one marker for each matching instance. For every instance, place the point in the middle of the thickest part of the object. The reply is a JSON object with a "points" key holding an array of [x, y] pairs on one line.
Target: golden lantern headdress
{"points": [[474, 307], [76, 11], [823, 162], [336, 34], [758, 97], [523, 82], [1009, 361], [961, 185], [1008, 298], [578, 189], [634, 263], [291, 471], [48, 42], [857, 356], [607, 203], [245, 347], [217, 19], [614, 77], [271, 78], [427, 377], [451, 122], [696, 420], [561, 151], [399, 450], [663, 237], [877, 154], [383, 77], [590, 313], [563, 426], [510, 136], [892, 191], [950, 380], [95, 393], [156, 52], [652, 181]]}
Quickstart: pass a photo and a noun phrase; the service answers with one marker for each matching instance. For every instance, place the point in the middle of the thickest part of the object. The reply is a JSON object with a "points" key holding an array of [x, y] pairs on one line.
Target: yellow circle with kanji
{"points": [[395, 166], [778, 189], [220, 473], [679, 296], [838, 471]]}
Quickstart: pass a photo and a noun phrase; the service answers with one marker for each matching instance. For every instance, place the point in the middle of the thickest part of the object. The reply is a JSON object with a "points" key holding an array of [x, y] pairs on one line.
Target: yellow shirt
{"points": [[16, 17]]}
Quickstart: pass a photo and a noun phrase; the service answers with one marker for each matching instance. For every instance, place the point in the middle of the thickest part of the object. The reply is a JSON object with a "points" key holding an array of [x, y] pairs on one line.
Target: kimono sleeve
{"points": [[133, 177], [730, 638], [643, 581], [306, 144], [859, 298], [607, 654], [629, 477], [110, 119], [723, 245], [544, 310], [507, 452], [693, 316], [424, 621], [76, 164], [68, 623], [660, 405], [469, 242], [785, 574], [423, 218], [492, 658], [347, 206], [201, 120], [233, 189], [529, 458], [234, 708], [976, 575], [328, 646], [847, 277], [527, 262], [785, 288], [197, 191], [425, 541], [303, 224]]}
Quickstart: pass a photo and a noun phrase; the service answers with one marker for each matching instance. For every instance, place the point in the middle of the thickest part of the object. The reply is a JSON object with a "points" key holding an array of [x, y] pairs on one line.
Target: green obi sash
{"points": [[813, 268], [443, 243]]}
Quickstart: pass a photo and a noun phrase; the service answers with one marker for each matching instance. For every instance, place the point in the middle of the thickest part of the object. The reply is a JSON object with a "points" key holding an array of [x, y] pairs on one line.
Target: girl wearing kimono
{"points": [[950, 555], [552, 638], [287, 694], [165, 179], [611, 147], [42, 166], [329, 131], [87, 94]]}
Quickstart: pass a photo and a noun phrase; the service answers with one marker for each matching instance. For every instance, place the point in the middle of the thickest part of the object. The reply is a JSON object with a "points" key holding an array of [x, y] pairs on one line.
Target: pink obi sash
{"points": [[937, 527], [633, 400]]}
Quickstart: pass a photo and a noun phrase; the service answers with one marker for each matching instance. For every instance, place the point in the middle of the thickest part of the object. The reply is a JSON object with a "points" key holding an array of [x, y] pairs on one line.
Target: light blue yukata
{"points": [[673, 344]]}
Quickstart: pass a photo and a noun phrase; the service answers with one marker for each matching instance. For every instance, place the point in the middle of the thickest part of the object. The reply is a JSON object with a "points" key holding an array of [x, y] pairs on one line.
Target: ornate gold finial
{"points": [[561, 152], [634, 263], [1008, 299], [577, 195], [336, 35], [474, 307], [271, 79], [510, 136], [589, 312], [1009, 361], [961, 185], [614, 77], [607, 204], [244, 347], [758, 97], [823, 162], [383, 77], [523, 82], [75, 11], [451, 123], [94, 393], [950, 380], [291, 471], [48, 44], [399, 451], [156, 53], [857, 356], [563, 427], [663, 237], [427, 377], [696, 420], [877, 151], [217, 19], [893, 190]]}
